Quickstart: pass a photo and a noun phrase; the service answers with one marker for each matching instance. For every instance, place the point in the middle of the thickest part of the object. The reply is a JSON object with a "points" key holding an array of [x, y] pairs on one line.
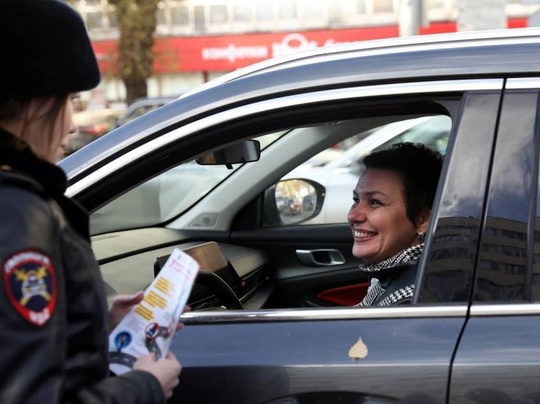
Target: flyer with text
{"points": [[150, 325]]}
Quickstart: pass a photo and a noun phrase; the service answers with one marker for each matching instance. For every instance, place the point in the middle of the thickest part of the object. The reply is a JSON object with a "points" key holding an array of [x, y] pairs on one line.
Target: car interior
{"points": [[225, 207]]}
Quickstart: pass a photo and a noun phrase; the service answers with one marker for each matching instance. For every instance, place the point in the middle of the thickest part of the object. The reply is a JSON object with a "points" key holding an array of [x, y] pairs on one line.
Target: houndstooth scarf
{"points": [[375, 289]]}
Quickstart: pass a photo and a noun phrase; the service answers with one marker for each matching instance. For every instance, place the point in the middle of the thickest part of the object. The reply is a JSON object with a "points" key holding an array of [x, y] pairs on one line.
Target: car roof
{"points": [[153, 100], [145, 101], [449, 41], [514, 52], [490, 54]]}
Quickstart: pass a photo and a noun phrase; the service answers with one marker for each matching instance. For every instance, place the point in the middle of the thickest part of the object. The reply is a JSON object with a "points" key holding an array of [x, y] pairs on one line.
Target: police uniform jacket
{"points": [[53, 326]]}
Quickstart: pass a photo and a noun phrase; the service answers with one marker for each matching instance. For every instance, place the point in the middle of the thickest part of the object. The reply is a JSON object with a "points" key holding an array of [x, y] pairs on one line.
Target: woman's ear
{"points": [[422, 221]]}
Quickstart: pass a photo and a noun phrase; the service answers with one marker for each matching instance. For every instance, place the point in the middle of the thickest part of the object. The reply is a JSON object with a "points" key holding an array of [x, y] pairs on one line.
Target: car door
{"points": [[498, 358], [379, 355], [301, 283]]}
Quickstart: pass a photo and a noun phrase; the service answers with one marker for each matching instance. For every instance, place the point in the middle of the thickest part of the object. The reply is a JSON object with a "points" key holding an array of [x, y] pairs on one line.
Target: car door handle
{"points": [[320, 257]]}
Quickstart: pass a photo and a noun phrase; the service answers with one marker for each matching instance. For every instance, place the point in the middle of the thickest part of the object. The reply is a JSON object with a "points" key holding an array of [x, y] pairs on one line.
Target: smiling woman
{"points": [[390, 217]]}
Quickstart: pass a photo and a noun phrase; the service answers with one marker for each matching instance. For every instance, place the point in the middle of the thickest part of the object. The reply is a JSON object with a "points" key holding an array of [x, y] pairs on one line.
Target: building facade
{"points": [[197, 40]]}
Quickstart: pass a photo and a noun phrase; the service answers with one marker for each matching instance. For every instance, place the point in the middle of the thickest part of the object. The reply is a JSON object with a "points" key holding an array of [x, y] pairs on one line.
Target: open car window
{"points": [[253, 210]]}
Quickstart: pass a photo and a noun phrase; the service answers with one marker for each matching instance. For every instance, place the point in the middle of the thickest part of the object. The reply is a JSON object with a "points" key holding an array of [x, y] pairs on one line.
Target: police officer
{"points": [[53, 321]]}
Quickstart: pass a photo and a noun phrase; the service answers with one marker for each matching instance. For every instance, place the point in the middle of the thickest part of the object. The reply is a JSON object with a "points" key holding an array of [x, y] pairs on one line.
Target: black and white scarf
{"points": [[376, 289]]}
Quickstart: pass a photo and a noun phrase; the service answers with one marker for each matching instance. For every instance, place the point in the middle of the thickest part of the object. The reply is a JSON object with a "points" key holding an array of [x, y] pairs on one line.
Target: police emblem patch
{"points": [[30, 283]]}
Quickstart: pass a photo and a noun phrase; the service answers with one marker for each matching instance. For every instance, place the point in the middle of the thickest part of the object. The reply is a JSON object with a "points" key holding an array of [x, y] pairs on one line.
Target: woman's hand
{"points": [[165, 370]]}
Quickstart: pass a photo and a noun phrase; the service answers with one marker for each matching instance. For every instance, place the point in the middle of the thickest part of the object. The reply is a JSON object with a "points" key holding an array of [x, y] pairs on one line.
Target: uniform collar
{"points": [[48, 178]]}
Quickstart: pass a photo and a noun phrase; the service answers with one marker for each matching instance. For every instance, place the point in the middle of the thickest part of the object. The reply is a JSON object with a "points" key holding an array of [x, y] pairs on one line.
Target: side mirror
{"points": [[293, 201], [243, 152]]}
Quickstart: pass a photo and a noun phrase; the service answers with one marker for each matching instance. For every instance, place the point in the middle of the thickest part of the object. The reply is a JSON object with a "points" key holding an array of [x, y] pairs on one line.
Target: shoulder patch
{"points": [[30, 282]]}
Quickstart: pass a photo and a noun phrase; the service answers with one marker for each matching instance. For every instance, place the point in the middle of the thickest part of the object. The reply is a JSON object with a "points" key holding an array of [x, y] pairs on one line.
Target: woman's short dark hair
{"points": [[420, 168]]}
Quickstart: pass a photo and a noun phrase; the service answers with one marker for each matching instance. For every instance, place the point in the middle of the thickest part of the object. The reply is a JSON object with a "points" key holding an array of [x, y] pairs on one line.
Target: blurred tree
{"points": [[137, 23]]}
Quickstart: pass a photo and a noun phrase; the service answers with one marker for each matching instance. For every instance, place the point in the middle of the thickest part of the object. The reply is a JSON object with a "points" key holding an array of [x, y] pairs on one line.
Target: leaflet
{"points": [[150, 325]]}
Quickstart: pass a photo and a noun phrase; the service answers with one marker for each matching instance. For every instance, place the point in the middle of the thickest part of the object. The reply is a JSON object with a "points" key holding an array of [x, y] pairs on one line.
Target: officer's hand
{"points": [[166, 370], [121, 305]]}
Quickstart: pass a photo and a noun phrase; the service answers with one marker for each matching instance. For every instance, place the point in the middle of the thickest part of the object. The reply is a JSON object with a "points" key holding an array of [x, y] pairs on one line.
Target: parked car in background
{"points": [[90, 125], [141, 106], [340, 173], [276, 326]]}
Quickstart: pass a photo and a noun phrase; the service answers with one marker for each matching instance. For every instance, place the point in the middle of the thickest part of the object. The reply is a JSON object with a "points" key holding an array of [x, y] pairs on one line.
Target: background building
{"points": [[197, 40]]}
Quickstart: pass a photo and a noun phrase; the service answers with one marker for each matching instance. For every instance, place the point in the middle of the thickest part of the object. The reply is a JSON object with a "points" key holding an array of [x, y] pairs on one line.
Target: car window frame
{"points": [[452, 242], [310, 101], [494, 94], [513, 155]]}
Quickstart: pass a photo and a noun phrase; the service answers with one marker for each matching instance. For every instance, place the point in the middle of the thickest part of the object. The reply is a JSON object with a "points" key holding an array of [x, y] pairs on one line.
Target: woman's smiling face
{"points": [[378, 216]]}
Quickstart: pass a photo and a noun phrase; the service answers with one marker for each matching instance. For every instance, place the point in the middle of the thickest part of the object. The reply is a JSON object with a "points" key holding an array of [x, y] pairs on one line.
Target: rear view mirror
{"points": [[243, 152]]}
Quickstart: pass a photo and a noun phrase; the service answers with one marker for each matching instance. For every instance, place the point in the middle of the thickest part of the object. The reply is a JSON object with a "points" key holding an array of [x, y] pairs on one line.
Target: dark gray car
{"points": [[271, 334]]}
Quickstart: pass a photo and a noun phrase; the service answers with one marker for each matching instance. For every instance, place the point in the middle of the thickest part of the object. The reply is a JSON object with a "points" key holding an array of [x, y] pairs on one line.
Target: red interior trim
{"points": [[345, 295]]}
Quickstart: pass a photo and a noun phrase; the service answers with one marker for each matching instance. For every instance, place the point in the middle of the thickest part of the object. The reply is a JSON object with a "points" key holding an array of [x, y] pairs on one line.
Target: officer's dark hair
{"points": [[12, 109], [420, 168]]}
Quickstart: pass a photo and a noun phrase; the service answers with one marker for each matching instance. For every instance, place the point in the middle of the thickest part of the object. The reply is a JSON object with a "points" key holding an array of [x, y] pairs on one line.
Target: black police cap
{"points": [[45, 50]]}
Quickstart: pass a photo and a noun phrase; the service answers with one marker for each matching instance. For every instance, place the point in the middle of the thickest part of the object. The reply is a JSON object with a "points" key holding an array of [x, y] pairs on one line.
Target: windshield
{"points": [[165, 196]]}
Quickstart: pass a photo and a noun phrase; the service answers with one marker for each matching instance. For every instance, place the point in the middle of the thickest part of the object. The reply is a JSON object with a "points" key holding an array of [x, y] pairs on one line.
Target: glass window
{"points": [[166, 196], [160, 198], [200, 18], [180, 15], [505, 250], [218, 14], [161, 16], [113, 22], [243, 12], [536, 256]]}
